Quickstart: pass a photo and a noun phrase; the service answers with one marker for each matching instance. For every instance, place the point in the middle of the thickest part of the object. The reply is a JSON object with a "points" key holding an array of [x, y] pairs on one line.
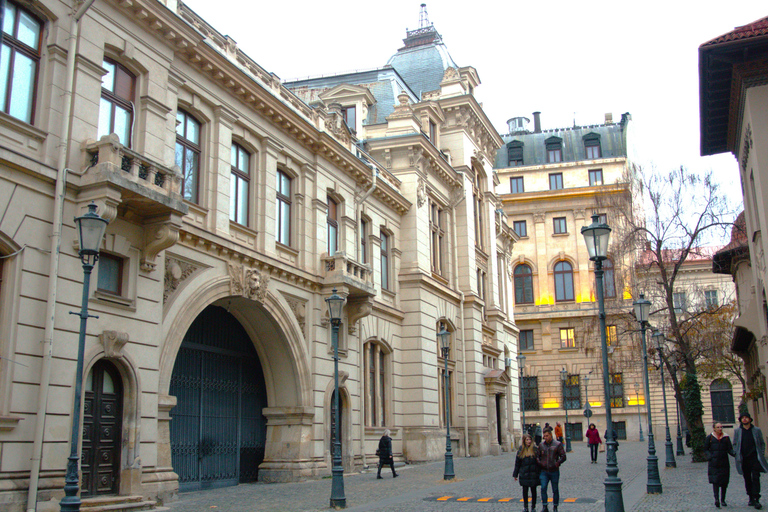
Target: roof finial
{"points": [[423, 17]]}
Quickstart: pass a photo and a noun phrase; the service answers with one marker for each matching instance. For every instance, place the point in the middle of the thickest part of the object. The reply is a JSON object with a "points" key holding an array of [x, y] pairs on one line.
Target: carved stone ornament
{"points": [[176, 271], [157, 237], [356, 311], [421, 193], [538, 218], [450, 74], [113, 342], [299, 309], [248, 282]]}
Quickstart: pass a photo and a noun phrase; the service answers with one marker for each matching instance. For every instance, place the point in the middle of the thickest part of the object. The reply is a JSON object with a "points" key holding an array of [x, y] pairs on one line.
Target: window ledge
{"points": [[388, 293], [560, 234], [18, 125], [287, 248], [114, 300], [568, 349]]}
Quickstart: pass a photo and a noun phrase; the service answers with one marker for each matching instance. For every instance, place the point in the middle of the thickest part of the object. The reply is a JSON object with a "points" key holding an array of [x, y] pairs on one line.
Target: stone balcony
{"points": [[348, 276], [126, 184]]}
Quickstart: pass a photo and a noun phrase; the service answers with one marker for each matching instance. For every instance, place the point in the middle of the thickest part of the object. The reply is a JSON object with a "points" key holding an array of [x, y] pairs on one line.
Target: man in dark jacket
{"points": [[550, 456], [385, 454], [749, 445]]}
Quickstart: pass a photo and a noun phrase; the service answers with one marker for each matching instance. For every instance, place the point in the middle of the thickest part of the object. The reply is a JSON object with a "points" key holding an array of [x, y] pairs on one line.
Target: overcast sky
{"points": [[569, 60]]}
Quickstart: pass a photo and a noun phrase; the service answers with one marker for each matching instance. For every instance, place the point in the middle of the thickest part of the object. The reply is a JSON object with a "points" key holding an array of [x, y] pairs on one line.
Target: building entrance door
{"points": [[102, 422], [218, 432]]}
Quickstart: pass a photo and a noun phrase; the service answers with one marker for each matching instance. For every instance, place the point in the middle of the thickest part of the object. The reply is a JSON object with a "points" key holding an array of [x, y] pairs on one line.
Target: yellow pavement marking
{"points": [[570, 500], [504, 500], [463, 499], [485, 499], [444, 498]]}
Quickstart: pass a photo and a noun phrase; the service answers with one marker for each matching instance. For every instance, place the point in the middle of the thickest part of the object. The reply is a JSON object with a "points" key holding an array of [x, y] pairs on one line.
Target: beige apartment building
{"points": [[236, 204], [733, 96]]}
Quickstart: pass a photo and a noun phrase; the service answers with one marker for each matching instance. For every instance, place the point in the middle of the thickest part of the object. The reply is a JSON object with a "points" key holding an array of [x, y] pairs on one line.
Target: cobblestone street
{"points": [[483, 484]]}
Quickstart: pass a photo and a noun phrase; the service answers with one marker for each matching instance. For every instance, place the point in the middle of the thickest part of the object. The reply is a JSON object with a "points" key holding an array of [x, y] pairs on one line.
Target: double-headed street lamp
{"points": [[521, 365], [597, 236], [659, 337], [445, 346], [564, 377], [642, 312], [90, 231], [680, 449], [338, 500]]}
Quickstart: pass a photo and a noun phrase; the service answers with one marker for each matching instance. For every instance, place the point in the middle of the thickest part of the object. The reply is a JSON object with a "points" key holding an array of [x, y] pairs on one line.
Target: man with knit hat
{"points": [[749, 444]]}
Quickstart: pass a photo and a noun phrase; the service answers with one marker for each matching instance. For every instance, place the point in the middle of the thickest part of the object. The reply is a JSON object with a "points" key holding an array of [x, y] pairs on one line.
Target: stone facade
{"points": [[231, 198]]}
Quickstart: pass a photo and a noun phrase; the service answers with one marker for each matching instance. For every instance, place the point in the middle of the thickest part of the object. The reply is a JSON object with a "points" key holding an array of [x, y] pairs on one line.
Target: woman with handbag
{"points": [[593, 437], [527, 470], [385, 454]]}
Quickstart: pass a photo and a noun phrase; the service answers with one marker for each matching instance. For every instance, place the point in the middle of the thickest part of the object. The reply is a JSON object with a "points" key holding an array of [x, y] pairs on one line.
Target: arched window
{"points": [[376, 363], [188, 153], [609, 279], [22, 33], [721, 395], [239, 181], [563, 281], [523, 284], [116, 108]]}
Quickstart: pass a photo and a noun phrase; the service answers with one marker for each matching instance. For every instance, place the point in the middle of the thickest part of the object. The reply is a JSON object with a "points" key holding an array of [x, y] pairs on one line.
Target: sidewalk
{"points": [[482, 484]]}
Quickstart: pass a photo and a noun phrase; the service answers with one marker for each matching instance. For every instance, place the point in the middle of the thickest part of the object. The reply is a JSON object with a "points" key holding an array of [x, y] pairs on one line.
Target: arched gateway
{"points": [[218, 431]]}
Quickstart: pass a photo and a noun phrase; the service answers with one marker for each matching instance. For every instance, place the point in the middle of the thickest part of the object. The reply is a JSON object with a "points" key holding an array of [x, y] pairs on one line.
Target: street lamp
{"points": [[521, 365], [445, 346], [642, 312], [639, 416], [90, 231], [338, 500], [680, 449], [659, 337], [597, 236], [564, 377]]}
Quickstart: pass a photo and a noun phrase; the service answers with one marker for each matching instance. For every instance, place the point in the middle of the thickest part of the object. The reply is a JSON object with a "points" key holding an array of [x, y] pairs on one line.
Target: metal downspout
{"points": [[461, 315], [360, 384], [53, 270]]}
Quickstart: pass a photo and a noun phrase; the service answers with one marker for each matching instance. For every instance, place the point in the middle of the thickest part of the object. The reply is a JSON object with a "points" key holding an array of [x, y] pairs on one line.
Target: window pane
{"points": [[109, 274], [23, 87], [9, 18], [242, 201], [233, 197], [244, 160], [105, 118], [332, 237], [108, 80], [285, 223], [190, 168], [29, 30], [122, 125], [4, 69], [193, 131], [180, 124]]}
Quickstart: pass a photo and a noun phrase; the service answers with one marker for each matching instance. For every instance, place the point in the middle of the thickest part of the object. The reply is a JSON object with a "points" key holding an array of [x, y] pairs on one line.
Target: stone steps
{"points": [[119, 503]]}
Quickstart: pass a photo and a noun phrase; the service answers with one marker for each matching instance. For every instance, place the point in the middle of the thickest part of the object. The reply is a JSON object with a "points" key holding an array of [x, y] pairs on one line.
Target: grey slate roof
{"points": [[612, 143], [423, 67]]}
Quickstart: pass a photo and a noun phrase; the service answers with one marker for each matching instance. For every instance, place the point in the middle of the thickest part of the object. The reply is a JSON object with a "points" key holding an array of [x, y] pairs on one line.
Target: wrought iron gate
{"points": [[218, 433]]}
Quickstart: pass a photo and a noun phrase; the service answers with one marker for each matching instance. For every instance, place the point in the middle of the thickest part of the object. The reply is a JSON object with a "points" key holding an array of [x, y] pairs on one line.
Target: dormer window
{"points": [[592, 146], [350, 117], [554, 147], [515, 153]]}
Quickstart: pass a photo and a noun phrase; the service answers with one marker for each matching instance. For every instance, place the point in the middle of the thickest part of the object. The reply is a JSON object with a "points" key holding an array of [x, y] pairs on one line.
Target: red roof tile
{"points": [[755, 29]]}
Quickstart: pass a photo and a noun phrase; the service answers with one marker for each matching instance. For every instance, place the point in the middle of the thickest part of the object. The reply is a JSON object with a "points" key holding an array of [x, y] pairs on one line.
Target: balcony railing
{"points": [[342, 271]]}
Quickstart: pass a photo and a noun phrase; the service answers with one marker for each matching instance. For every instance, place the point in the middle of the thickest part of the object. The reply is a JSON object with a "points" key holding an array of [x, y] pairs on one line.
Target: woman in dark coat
{"points": [[527, 471], [385, 454], [717, 447]]}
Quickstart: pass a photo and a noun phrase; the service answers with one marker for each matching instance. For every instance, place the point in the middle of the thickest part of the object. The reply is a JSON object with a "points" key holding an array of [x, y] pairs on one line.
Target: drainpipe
{"points": [[360, 385], [461, 313], [53, 270]]}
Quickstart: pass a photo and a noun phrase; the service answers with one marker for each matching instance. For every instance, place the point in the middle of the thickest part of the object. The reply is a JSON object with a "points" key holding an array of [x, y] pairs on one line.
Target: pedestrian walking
{"points": [[537, 434], [717, 447], [559, 431], [550, 456], [527, 470], [385, 454], [593, 438], [749, 445]]}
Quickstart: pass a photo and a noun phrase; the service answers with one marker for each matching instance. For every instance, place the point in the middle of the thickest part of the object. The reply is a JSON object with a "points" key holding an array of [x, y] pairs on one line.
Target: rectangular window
{"points": [[679, 302], [710, 296], [617, 389], [515, 154], [554, 156], [384, 261], [375, 384], [437, 228], [530, 393], [433, 132], [115, 108], [188, 154], [363, 241], [110, 279], [521, 228], [567, 337], [19, 62], [333, 227], [239, 181], [481, 284], [556, 181], [593, 150], [526, 339], [560, 225], [595, 177], [350, 117], [611, 338], [283, 217], [516, 185], [572, 392]]}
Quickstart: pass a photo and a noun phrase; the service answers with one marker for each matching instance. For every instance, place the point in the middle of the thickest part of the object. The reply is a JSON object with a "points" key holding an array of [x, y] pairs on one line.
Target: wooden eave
{"points": [[194, 41]]}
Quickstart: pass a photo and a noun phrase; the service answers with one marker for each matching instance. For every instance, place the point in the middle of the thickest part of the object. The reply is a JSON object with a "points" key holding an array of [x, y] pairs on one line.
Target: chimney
{"points": [[537, 122], [608, 118]]}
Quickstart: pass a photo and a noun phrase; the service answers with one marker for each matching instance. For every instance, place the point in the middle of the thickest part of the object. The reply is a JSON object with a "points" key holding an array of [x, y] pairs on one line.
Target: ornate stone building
{"points": [[236, 204]]}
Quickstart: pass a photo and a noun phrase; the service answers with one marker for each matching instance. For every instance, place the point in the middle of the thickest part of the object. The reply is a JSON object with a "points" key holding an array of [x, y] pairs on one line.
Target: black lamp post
{"points": [[659, 337], [564, 377], [338, 500], [445, 346], [597, 236], [639, 415], [521, 365], [642, 312], [90, 230], [680, 449]]}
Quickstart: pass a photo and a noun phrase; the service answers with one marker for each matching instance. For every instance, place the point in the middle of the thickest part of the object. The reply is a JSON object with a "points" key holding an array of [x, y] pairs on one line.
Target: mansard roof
{"points": [[423, 60]]}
